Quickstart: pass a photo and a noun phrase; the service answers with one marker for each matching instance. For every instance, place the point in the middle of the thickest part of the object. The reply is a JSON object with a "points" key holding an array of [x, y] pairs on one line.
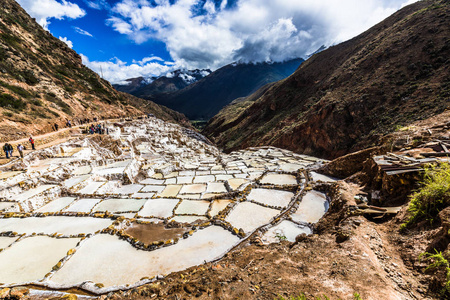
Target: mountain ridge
{"points": [[347, 97], [170, 82], [204, 98]]}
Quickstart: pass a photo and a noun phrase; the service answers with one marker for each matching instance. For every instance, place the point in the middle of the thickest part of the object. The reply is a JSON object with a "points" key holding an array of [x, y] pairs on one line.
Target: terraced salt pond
{"points": [[80, 215]]}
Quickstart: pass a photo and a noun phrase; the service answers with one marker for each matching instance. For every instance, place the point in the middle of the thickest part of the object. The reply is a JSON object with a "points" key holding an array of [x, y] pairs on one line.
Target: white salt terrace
{"points": [[5, 205], [56, 224], [191, 207], [167, 176], [279, 179], [312, 207], [56, 205], [249, 216], [271, 197], [6, 241], [124, 264], [161, 208], [286, 230], [120, 205], [31, 193], [33, 257], [83, 205]]}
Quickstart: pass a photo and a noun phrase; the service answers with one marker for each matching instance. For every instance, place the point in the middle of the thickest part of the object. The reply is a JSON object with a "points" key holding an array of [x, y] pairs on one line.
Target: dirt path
{"points": [[45, 140], [41, 141]]}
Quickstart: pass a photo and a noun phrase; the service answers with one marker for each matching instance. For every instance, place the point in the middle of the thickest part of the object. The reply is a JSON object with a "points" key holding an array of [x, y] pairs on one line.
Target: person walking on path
{"points": [[32, 143], [20, 149], [10, 150], [56, 127], [6, 149]]}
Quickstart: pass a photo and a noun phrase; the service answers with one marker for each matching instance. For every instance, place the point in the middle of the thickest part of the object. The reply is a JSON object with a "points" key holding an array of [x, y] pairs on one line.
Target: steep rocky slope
{"points": [[42, 81], [206, 97], [345, 98]]}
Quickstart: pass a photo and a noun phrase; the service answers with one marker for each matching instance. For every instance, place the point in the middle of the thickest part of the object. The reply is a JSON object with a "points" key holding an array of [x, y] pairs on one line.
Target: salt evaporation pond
{"points": [[312, 207], [286, 230], [119, 205], [156, 202], [191, 207], [55, 224], [56, 205], [83, 205], [161, 208], [33, 257], [6, 241], [249, 216], [124, 264], [271, 197], [279, 179]]}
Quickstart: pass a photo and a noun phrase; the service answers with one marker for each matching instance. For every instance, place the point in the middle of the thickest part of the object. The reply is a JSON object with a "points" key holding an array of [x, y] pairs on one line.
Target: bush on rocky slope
{"points": [[432, 197], [440, 262]]}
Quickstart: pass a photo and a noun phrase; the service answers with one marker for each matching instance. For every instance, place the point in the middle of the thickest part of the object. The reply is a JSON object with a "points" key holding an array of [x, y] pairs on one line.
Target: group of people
{"points": [[70, 123], [96, 129], [9, 149]]}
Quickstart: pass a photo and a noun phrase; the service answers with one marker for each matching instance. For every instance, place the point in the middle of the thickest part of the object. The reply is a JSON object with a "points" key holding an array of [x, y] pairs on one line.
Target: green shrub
{"points": [[3, 54], [54, 113], [9, 102], [432, 196], [10, 39], [63, 71], [438, 261], [36, 102], [63, 105], [356, 296], [29, 77], [69, 89], [16, 89]]}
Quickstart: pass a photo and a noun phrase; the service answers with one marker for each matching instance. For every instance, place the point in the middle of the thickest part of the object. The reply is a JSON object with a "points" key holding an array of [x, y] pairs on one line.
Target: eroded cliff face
{"points": [[43, 81], [348, 96]]}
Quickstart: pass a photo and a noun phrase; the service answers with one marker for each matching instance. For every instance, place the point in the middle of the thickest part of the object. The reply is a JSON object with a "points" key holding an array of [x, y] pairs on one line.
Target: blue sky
{"points": [[131, 38]]}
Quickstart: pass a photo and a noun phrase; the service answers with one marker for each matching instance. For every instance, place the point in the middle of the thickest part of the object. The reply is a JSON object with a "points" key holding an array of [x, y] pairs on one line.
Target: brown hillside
{"points": [[42, 81], [348, 96]]}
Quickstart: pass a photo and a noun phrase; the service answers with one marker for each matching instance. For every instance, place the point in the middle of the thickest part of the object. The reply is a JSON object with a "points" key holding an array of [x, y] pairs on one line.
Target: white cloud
{"points": [[44, 10], [408, 3], [67, 41], [253, 30], [97, 4], [148, 59], [117, 71], [81, 31]]}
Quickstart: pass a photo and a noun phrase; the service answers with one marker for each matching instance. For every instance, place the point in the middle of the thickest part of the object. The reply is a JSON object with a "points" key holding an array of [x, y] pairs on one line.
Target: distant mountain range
{"points": [[349, 96], [171, 82], [201, 97]]}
